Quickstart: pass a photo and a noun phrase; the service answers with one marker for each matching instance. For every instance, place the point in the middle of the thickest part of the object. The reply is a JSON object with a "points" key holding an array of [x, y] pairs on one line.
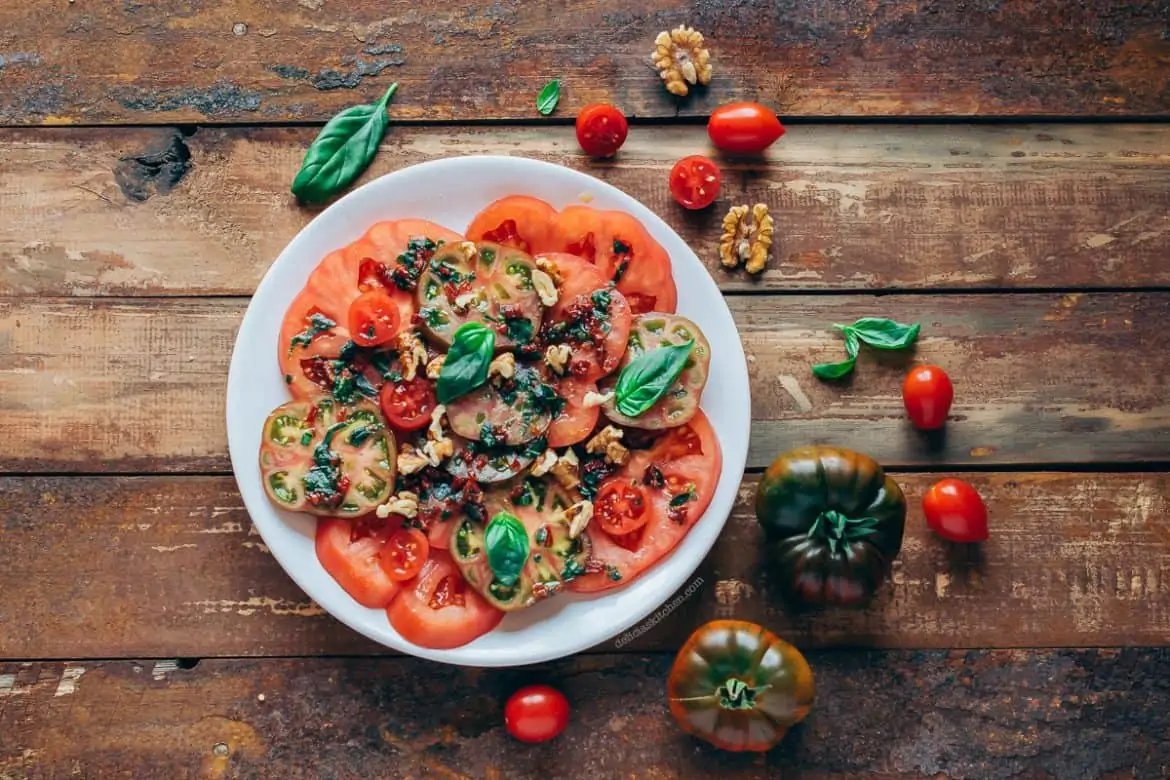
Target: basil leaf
{"points": [[546, 101], [506, 542], [845, 367], [466, 366], [884, 334], [342, 150], [648, 376]]}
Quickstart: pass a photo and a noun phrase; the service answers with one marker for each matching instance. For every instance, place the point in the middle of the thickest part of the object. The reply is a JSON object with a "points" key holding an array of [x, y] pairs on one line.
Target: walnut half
{"points": [[747, 237], [681, 59]]}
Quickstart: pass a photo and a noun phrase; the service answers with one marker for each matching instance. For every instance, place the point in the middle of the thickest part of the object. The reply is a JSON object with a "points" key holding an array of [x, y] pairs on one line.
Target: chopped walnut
{"points": [[465, 301], [550, 268], [435, 367], [593, 399], [405, 504], [577, 516], [437, 451], [435, 429], [747, 237], [546, 288], [556, 357], [410, 461], [503, 366], [599, 443], [565, 470], [468, 249], [681, 59], [411, 354], [544, 463]]}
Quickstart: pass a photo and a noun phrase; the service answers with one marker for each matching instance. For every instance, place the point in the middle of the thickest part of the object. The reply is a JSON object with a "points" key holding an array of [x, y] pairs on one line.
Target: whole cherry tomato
{"points": [[927, 394], [536, 713], [601, 129], [694, 182], [955, 511], [744, 128]]}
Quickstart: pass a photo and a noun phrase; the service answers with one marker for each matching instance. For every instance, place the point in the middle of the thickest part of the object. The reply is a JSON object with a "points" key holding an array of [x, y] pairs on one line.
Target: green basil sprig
{"points": [[342, 150], [877, 332], [466, 366], [648, 376], [547, 100], [506, 543]]}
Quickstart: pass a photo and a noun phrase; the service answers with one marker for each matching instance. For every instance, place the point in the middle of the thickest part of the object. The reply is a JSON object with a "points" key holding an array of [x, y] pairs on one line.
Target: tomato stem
{"points": [[837, 529]]}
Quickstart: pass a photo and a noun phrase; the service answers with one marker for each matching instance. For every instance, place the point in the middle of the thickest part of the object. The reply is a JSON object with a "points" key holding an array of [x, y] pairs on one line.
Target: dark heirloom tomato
{"points": [[834, 523], [739, 686]]}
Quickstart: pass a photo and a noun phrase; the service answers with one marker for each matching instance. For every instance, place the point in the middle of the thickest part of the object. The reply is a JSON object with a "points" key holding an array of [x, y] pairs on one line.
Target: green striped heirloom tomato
{"points": [[834, 524], [739, 686]]}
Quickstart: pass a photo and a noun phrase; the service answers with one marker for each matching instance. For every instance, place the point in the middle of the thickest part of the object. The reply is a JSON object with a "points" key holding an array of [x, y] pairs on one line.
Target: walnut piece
{"points": [[410, 461], [593, 399], [550, 268], [435, 429], [411, 354], [468, 249], [503, 366], [577, 516], [556, 357], [544, 463], [405, 504], [565, 470], [747, 237], [545, 287], [610, 434], [435, 367], [681, 59], [436, 451]]}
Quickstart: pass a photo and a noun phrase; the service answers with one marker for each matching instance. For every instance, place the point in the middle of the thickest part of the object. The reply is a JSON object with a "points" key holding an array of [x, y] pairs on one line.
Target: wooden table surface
{"points": [[999, 171]]}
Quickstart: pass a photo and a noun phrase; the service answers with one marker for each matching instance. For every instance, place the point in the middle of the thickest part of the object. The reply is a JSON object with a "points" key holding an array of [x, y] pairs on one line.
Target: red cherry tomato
{"points": [[536, 713], [408, 405], [404, 554], [955, 511], [744, 128], [927, 394], [694, 182], [601, 129], [373, 319], [621, 506]]}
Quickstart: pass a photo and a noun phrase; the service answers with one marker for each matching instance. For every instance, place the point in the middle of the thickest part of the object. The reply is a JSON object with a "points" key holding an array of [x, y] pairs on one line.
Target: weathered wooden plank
{"points": [[171, 567], [263, 60], [857, 207], [138, 385], [991, 715]]}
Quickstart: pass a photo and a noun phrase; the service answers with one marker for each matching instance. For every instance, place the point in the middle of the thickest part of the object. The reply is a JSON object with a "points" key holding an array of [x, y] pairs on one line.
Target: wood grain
{"points": [[857, 207], [263, 60], [991, 715], [171, 567], [138, 385]]}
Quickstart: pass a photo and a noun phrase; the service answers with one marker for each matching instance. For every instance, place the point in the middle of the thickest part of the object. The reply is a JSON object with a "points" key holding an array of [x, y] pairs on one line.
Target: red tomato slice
{"points": [[622, 505], [695, 437], [581, 280], [404, 554], [351, 554], [373, 319], [440, 610], [516, 221], [408, 405], [576, 421]]}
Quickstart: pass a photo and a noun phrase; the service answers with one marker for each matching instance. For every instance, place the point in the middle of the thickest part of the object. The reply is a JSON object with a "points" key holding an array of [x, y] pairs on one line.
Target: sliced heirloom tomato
{"points": [[555, 558], [492, 286], [325, 458], [438, 610], [575, 421], [677, 476], [489, 465], [590, 317], [351, 553], [518, 221], [681, 400], [514, 412]]}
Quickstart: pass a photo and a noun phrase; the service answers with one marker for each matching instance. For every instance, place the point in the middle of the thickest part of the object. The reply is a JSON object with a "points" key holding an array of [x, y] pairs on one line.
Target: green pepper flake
{"points": [[613, 573], [306, 437], [542, 536], [288, 379], [683, 498]]}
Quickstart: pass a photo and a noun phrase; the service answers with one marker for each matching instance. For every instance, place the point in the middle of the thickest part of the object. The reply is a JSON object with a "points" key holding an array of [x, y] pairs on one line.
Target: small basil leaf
{"points": [[546, 101], [648, 376], [885, 334], [342, 150], [466, 366], [506, 543], [845, 367]]}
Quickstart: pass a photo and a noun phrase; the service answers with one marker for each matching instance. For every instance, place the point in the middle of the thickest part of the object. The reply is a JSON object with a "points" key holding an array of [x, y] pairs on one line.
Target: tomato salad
{"points": [[483, 421]]}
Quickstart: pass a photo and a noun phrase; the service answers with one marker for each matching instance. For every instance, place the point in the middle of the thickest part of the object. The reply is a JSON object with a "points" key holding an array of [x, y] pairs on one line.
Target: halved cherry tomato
{"points": [[621, 505], [601, 129], [405, 553], [373, 319], [955, 511], [439, 610], [694, 182], [351, 553], [743, 128], [927, 394], [517, 221], [536, 713], [408, 404]]}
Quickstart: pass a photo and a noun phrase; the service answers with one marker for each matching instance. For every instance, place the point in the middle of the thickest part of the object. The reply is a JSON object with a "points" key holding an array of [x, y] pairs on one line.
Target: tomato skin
{"points": [[744, 128], [404, 554], [694, 182], [373, 319], [601, 129], [353, 560], [408, 405], [955, 511], [536, 713], [927, 394]]}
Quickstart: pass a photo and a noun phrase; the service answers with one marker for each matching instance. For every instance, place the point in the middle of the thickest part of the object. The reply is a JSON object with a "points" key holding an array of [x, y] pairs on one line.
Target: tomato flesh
{"points": [[744, 128], [404, 554], [373, 319], [620, 506], [601, 129], [438, 610], [352, 554], [536, 713], [694, 182], [955, 511], [927, 394], [408, 404]]}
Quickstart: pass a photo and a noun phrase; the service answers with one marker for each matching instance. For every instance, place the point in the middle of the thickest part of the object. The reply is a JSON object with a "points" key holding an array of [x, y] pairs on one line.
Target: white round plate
{"points": [[450, 192]]}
